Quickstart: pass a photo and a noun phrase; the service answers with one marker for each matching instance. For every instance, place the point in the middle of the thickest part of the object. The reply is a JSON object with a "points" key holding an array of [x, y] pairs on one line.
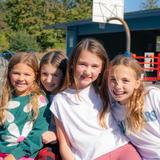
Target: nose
{"points": [[118, 84], [21, 77], [49, 79], [87, 71]]}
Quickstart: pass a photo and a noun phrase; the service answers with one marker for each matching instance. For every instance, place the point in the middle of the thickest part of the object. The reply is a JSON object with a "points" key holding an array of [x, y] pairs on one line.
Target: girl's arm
{"points": [[50, 136], [64, 144]]}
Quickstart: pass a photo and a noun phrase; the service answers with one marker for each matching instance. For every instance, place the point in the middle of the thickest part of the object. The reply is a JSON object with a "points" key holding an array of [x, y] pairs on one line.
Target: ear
{"points": [[138, 83]]}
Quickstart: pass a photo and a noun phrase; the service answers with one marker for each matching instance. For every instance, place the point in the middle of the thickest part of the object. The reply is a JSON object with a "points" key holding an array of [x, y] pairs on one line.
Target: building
{"points": [[144, 29]]}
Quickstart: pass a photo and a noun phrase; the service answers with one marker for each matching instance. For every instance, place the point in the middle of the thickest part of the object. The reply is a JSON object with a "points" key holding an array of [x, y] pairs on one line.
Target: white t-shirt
{"points": [[79, 116], [148, 140]]}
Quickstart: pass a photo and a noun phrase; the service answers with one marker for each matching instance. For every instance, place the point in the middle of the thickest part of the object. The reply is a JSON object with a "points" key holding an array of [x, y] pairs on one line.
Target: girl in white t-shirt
{"points": [[136, 109], [85, 128]]}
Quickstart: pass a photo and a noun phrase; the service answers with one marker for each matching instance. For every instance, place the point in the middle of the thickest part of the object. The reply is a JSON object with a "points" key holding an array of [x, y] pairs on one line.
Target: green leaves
{"points": [[149, 4], [4, 44], [21, 41], [30, 16]]}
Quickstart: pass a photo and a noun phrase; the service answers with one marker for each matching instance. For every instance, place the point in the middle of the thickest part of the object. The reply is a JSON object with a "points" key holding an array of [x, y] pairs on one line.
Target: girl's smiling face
{"points": [[122, 83], [88, 68], [51, 77], [22, 78]]}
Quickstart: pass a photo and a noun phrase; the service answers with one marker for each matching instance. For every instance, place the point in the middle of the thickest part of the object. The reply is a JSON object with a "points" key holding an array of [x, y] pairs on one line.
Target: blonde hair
{"points": [[100, 85], [59, 60], [31, 61], [135, 106]]}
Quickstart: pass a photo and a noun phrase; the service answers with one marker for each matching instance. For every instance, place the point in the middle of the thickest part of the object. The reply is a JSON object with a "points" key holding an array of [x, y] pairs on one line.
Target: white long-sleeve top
{"points": [[147, 141]]}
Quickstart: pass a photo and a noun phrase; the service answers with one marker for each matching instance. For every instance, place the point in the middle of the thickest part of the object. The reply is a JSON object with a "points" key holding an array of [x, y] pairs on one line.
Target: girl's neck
{"points": [[79, 89], [21, 95]]}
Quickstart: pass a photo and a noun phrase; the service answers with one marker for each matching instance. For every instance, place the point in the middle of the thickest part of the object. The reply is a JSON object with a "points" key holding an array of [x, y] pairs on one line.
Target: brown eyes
{"points": [[84, 64], [123, 80]]}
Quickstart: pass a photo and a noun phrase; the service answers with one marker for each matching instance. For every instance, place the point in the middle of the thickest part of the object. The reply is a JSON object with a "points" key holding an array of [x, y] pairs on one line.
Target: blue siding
{"points": [[145, 20], [71, 39]]}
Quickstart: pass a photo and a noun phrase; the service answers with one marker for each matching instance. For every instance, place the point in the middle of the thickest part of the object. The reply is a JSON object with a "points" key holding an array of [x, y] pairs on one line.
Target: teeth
{"points": [[51, 86], [116, 92], [20, 85], [119, 93]]}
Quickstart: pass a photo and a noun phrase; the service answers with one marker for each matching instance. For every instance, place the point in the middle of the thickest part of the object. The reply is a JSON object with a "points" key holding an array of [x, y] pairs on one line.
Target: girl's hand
{"points": [[10, 157], [48, 137]]}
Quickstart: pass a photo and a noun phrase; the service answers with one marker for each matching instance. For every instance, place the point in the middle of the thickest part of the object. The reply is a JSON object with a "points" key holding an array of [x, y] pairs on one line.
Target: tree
{"points": [[81, 9], [3, 25], [33, 15], [150, 4], [23, 14], [22, 41], [4, 44]]}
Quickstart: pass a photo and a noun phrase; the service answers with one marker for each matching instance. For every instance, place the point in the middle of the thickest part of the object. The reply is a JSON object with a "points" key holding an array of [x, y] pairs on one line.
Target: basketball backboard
{"points": [[104, 9]]}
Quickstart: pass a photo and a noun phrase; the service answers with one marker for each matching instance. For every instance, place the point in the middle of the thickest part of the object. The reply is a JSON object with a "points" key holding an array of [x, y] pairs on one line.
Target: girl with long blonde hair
{"points": [[136, 108], [22, 110]]}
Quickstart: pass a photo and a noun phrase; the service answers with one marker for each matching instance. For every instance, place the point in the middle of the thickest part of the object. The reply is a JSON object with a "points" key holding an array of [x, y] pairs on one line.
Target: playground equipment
{"points": [[112, 11], [128, 36], [152, 69]]}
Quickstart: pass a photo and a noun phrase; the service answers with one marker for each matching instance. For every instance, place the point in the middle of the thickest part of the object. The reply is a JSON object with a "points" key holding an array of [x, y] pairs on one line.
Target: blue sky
{"points": [[133, 5]]}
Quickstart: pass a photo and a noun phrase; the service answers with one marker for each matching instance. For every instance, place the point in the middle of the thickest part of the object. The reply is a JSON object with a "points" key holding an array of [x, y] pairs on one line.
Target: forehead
{"points": [[49, 68], [22, 67], [122, 70], [89, 57]]}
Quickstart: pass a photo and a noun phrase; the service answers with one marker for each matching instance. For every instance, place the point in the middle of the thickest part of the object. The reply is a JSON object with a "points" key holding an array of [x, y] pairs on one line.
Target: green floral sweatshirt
{"points": [[20, 135]]}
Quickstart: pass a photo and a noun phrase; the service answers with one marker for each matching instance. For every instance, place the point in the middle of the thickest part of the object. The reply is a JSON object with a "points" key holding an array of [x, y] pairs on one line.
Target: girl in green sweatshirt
{"points": [[22, 110]]}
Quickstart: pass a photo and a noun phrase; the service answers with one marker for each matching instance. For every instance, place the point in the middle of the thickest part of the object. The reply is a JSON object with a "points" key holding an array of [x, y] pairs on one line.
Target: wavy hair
{"points": [[135, 106], [30, 60]]}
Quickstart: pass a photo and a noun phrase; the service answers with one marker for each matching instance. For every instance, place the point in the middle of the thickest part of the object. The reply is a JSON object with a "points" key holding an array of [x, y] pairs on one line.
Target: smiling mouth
{"points": [[118, 94], [51, 86], [20, 84], [85, 77]]}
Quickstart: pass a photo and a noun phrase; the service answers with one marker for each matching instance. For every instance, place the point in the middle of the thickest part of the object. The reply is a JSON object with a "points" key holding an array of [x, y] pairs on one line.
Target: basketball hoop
{"points": [[105, 9], [111, 11]]}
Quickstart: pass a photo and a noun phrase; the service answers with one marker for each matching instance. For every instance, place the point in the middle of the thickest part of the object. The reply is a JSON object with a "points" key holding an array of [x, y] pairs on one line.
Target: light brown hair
{"points": [[100, 85], [135, 106], [31, 61], [57, 59]]}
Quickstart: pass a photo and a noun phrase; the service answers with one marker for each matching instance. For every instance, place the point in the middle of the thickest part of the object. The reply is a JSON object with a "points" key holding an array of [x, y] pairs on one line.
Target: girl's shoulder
{"points": [[152, 91], [61, 95], [68, 95], [152, 88]]}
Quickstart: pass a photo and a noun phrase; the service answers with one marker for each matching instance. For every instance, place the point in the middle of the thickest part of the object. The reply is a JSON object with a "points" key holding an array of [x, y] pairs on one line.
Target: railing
{"points": [[151, 73]]}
